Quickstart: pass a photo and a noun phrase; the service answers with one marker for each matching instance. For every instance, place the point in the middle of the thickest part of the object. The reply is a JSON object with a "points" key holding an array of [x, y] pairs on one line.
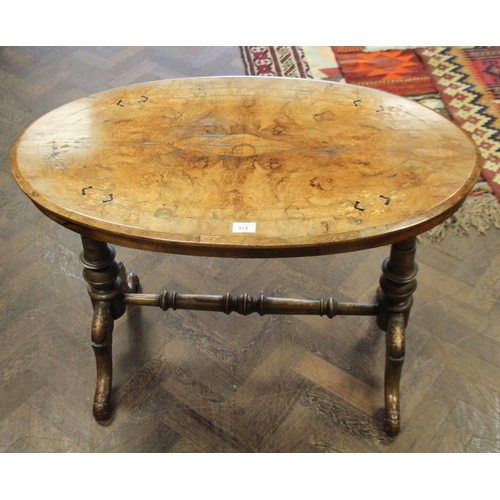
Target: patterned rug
{"points": [[460, 83], [276, 61], [397, 71], [468, 80]]}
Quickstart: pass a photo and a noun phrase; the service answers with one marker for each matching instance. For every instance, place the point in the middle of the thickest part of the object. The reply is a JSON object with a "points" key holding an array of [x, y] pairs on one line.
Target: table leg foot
{"points": [[130, 281], [108, 282], [397, 284], [395, 354], [102, 329]]}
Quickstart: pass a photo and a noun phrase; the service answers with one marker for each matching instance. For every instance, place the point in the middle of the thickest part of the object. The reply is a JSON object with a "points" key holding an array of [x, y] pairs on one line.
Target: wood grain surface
{"points": [[245, 167]]}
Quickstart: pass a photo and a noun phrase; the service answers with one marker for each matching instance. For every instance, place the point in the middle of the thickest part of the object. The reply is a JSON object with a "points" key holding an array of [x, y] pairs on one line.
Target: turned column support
{"points": [[397, 284], [111, 289], [107, 283]]}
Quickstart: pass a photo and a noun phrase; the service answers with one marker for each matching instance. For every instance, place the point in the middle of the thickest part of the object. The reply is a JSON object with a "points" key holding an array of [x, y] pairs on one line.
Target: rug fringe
{"points": [[480, 210]]}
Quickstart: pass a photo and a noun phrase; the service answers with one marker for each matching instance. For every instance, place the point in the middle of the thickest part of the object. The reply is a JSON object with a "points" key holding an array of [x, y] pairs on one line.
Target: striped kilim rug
{"points": [[298, 62], [462, 83], [399, 71], [468, 80]]}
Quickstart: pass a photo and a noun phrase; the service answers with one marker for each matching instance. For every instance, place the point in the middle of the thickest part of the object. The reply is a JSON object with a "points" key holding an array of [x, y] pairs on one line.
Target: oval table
{"points": [[246, 167]]}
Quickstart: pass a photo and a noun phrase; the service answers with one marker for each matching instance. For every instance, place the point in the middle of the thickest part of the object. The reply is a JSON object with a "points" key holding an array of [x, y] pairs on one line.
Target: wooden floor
{"points": [[206, 382]]}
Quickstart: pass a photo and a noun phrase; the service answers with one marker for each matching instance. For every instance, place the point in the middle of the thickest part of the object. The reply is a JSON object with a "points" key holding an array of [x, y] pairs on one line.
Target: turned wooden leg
{"points": [[107, 282], [397, 284], [395, 356], [102, 329]]}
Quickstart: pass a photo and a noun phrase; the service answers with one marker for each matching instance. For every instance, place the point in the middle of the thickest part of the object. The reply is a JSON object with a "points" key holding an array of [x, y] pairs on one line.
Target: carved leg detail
{"points": [[397, 284], [102, 329], [395, 355], [108, 281]]}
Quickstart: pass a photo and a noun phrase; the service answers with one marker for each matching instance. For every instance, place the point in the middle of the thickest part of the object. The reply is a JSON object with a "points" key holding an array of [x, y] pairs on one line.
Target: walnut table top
{"points": [[246, 166]]}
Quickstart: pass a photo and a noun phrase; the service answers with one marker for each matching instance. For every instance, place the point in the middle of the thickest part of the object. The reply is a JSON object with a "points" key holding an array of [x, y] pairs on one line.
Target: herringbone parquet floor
{"points": [[206, 382]]}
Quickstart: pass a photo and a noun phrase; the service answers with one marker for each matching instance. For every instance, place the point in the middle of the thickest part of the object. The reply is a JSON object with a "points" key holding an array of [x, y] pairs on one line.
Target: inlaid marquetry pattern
{"points": [[201, 381], [310, 164]]}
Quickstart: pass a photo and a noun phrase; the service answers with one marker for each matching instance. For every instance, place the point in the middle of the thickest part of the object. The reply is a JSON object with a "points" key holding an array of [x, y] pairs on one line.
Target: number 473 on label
{"points": [[244, 227]]}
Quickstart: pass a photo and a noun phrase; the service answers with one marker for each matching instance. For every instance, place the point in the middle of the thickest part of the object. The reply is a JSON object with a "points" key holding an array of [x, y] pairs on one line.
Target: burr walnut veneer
{"points": [[246, 167]]}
